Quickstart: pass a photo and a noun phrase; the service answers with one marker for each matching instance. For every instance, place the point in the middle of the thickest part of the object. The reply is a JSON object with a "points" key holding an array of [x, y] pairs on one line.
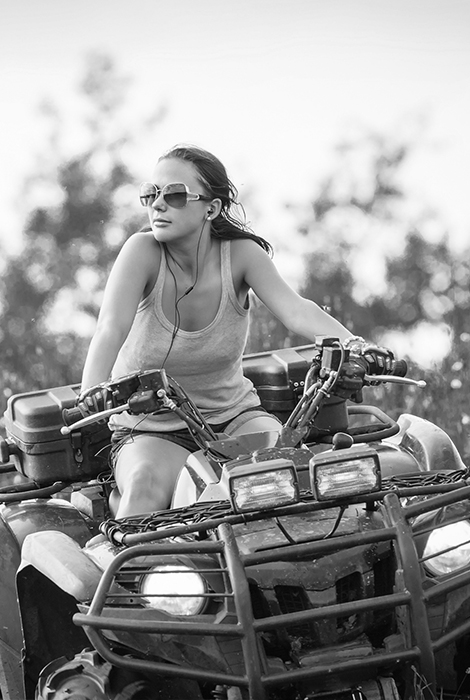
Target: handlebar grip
{"points": [[71, 415], [399, 368]]}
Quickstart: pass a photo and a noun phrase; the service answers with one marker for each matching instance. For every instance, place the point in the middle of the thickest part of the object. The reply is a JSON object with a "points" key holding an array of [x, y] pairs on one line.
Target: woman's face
{"points": [[169, 223]]}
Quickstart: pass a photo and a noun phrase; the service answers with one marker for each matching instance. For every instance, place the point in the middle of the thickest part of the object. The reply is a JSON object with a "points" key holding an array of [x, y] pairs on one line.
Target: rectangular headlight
{"points": [[262, 485], [342, 473]]}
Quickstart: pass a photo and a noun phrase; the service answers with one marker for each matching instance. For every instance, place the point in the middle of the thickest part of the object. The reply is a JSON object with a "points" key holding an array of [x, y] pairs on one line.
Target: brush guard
{"points": [[409, 595]]}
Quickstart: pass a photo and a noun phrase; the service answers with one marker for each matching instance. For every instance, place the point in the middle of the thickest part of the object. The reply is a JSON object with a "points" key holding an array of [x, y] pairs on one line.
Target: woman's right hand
{"points": [[93, 400]]}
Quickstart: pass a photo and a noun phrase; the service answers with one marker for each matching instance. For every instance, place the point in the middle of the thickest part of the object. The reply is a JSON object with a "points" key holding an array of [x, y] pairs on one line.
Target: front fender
{"points": [[40, 514]]}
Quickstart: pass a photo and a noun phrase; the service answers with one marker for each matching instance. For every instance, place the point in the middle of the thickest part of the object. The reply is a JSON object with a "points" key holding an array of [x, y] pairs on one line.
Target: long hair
{"points": [[213, 177]]}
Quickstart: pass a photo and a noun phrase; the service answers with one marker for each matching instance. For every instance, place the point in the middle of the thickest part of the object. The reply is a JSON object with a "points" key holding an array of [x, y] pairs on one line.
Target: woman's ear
{"points": [[214, 208]]}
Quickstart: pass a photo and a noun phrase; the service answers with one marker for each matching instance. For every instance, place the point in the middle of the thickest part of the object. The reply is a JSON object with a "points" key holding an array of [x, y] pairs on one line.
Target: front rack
{"points": [[203, 517]]}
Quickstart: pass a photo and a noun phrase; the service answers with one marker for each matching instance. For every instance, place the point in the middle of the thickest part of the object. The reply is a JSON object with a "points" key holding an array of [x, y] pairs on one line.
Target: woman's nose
{"points": [[158, 202]]}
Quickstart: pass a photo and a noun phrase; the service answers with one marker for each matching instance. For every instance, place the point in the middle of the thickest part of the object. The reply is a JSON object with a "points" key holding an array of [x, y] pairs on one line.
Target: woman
{"points": [[177, 297]]}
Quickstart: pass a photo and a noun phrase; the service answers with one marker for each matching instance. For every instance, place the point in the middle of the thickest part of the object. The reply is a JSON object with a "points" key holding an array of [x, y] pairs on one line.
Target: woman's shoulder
{"points": [[142, 244], [245, 246], [142, 238], [245, 251], [139, 259]]}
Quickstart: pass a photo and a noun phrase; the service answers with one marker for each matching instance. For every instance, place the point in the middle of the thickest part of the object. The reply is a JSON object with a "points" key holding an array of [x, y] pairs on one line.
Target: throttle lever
{"points": [[393, 378], [94, 418]]}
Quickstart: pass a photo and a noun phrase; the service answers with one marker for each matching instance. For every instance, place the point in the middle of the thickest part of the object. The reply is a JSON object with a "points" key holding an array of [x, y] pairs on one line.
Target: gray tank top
{"points": [[207, 363]]}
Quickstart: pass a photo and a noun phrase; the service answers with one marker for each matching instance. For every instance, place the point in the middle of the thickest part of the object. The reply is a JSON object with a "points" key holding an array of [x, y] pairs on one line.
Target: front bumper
{"points": [[237, 641]]}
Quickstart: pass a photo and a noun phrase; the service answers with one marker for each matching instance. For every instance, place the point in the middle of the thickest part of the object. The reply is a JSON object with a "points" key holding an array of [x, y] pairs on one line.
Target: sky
{"points": [[269, 86]]}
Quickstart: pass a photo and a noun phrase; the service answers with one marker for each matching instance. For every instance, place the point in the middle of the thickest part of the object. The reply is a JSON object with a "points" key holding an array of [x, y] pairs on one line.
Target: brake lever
{"points": [[393, 378], [93, 418]]}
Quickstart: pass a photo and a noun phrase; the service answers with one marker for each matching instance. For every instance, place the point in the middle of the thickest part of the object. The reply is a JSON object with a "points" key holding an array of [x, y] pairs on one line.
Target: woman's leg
{"points": [[146, 468], [259, 423]]}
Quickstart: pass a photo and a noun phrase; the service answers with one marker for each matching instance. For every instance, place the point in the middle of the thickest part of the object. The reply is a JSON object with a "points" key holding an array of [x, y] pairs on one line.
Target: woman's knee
{"points": [[148, 465], [143, 489], [259, 424], [140, 476]]}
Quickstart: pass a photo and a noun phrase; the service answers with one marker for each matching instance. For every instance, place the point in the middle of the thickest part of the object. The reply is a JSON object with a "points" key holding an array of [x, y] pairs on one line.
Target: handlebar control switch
{"points": [[331, 359], [144, 402], [8, 449], [4, 451]]}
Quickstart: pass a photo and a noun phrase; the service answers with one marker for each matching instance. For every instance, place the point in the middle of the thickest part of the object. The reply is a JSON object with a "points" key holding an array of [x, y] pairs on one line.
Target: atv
{"points": [[329, 560]]}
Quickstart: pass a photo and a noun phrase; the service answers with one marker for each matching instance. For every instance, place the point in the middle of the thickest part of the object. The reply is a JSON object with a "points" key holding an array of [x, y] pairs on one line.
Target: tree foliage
{"points": [[372, 259], [51, 291], [379, 267]]}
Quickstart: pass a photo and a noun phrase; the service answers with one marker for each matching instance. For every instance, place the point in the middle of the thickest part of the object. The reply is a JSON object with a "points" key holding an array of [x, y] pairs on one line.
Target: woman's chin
{"points": [[161, 234]]}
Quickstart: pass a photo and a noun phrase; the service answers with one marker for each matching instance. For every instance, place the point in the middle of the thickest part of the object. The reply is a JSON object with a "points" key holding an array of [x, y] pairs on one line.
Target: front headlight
{"points": [[448, 548], [262, 485], [174, 588], [349, 472]]}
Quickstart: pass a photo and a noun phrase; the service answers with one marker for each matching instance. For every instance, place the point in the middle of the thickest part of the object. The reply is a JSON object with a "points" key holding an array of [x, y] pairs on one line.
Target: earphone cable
{"points": [[177, 323]]}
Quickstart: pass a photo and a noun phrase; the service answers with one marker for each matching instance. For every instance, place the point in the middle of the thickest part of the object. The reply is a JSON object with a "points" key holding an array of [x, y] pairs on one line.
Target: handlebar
{"points": [[145, 392], [334, 371]]}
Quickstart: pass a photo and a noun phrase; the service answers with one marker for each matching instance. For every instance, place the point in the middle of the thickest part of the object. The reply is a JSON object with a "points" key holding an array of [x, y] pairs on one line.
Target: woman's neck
{"points": [[187, 262]]}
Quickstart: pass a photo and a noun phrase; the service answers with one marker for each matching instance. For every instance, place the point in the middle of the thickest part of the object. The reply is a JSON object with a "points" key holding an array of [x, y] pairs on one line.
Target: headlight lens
{"points": [[262, 485], [448, 548], [175, 589], [350, 472]]}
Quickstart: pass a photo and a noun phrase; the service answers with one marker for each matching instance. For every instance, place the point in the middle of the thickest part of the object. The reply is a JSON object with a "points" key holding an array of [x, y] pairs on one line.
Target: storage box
{"points": [[33, 421], [279, 376]]}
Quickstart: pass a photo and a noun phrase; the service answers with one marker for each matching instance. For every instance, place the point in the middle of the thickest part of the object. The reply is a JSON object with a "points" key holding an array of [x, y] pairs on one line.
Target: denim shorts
{"points": [[183, 437]]}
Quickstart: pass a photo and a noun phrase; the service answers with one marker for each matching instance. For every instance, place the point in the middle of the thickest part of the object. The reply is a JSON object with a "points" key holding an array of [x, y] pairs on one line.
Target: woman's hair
{"points": [[214, 179]]}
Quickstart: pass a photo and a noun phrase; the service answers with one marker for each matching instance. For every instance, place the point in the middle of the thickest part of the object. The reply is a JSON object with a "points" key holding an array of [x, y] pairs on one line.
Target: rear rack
{"points": [[241, 627]]}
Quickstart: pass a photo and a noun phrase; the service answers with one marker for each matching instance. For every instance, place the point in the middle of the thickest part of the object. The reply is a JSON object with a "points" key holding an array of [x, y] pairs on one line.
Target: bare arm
{"points": [[298, 314], [124, 290]]}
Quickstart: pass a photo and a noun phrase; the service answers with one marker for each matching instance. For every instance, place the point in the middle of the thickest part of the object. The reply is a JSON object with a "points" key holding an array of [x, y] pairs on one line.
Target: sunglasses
{"points": [[175, 194]]}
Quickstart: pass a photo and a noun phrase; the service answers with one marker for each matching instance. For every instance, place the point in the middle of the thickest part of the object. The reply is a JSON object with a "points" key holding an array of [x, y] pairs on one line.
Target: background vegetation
{"points": [[369, 257]]}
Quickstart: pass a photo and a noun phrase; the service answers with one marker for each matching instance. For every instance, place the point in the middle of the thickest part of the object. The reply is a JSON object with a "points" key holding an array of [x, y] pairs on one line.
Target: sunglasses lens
{"points": [[147, 193], [175, 195]]}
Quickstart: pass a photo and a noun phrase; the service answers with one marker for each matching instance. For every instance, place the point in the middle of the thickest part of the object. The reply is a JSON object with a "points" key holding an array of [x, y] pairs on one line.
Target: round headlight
{"points": [[175, 589], [448, 548]]}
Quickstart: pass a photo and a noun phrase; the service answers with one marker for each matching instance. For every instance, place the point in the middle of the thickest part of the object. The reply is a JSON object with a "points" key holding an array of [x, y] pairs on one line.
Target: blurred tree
{"points": [[371, 259], [387, 272], [50, 293], [348, 227]]}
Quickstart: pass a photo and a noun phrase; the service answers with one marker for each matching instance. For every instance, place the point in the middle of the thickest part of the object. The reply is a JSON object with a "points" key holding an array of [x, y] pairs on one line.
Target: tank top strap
{"points": [[158, 286], [227, 277]]}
